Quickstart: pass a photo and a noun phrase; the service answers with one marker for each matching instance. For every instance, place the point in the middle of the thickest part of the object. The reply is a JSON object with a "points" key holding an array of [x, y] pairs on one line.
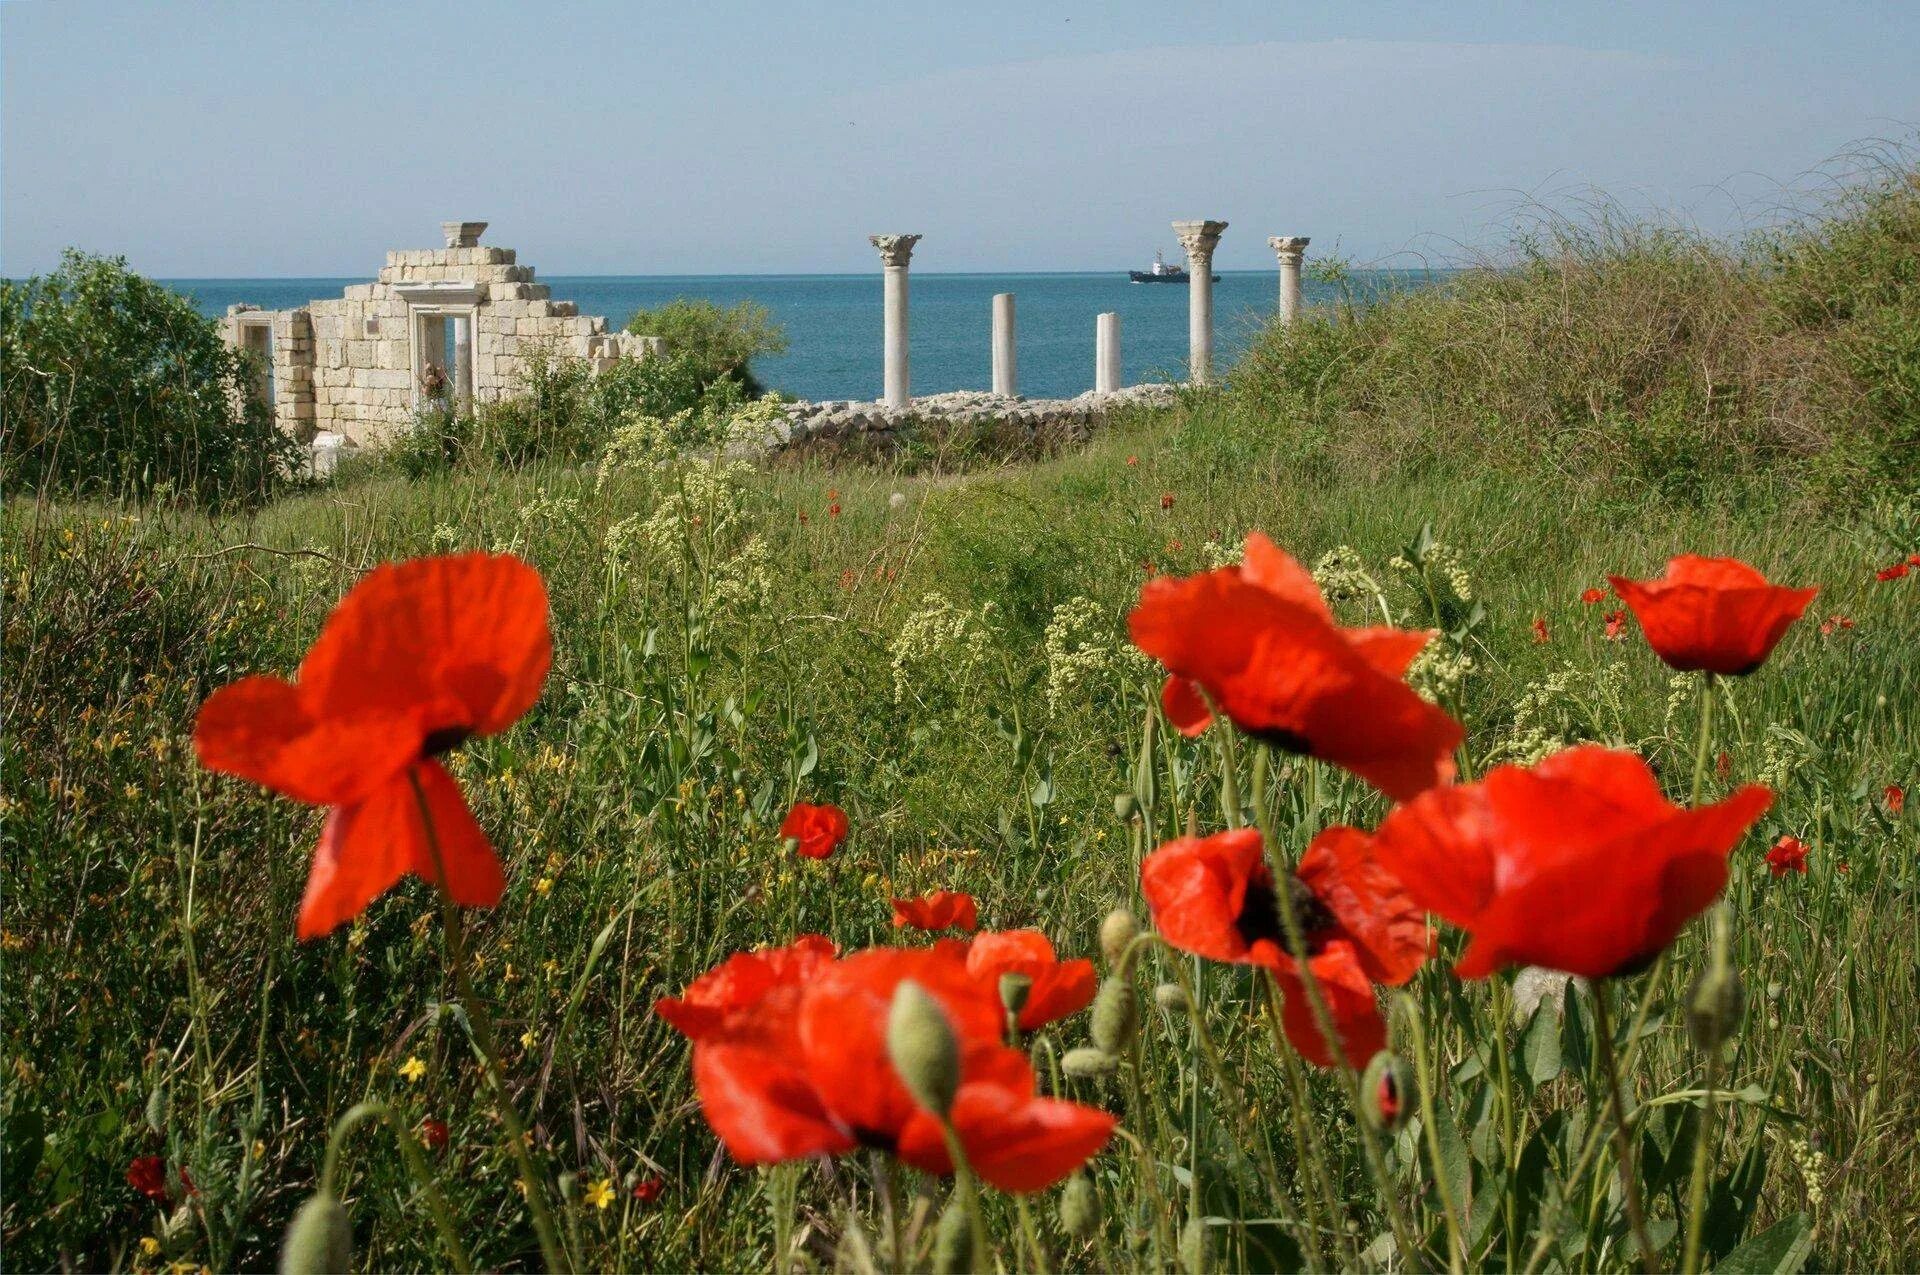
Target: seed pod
{"points": [[953, 1240], [1087, 1063], [1116, 933], [1715, 1005], [319, 1239], [920, 1042], [1172, 997], [1387, 1091], [1126, 807], [157, 1109], [1079, 1207], [1193, 1246], [1116, 1016], [1014, 990]]}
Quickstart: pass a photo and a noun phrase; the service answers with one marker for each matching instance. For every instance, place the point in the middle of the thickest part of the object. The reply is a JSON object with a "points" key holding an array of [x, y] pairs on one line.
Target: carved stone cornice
{"points": [[1199, 238], [1289, 247], [895, 250]]}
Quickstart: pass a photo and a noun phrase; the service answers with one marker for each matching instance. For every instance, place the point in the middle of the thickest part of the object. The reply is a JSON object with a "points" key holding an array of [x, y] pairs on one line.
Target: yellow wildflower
{"points": [[412, 1069], [600, 1194], [543, 887], [528, 1040]]}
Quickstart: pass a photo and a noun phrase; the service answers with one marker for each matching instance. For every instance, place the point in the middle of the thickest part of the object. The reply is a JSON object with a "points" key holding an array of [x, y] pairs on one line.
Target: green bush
{"points": [[1631, 353], [720, 341], [114, 385]]}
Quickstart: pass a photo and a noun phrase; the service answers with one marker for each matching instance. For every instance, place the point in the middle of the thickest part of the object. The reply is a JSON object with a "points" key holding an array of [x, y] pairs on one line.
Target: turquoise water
{"points": [[833, 321]]}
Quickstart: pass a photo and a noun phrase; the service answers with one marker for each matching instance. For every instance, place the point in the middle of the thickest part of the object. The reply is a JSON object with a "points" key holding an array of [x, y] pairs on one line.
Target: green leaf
{"points": [[1541, 1049], [1576, 1039], [1455, 1165], [1781, 1249]]}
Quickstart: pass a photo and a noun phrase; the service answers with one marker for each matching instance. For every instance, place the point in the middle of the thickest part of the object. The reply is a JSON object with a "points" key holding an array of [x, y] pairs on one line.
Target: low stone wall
{"points": [[866, 429]]}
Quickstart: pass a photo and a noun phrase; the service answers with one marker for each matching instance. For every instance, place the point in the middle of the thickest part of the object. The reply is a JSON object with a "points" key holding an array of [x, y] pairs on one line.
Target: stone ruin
{"points": [[457, 322]]}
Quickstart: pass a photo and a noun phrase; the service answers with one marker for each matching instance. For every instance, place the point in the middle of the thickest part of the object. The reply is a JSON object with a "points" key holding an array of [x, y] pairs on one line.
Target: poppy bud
{"points": [[1193, 1244], [1116, 1016], [953, 1240], [1172, 997], [1126, 807], [157, 1109], [920, 1042], [1715, 1005], [1079, 1209], [1014, 990], [1088, 1064], [1116, 933], [319, 1239], [1387, 1091]]}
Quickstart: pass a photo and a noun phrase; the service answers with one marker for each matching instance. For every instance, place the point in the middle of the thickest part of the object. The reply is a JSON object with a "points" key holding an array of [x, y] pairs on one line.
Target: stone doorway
{"points": [[256, 339], [443, 356]]}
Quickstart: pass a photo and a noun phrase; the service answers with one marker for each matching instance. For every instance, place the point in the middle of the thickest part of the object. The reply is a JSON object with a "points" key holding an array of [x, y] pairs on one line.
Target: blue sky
{"points": [[258, 138]]}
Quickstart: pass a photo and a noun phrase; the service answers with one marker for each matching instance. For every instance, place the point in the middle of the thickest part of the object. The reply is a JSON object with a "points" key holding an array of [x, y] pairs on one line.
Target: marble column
{"points": [[1006, 367], [1106, 353], [895, 252], [462, 361], [1292, 250], [1199, 238]]}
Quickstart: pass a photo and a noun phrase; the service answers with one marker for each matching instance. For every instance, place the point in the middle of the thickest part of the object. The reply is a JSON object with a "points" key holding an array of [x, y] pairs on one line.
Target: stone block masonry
{"points": [[465, 320]]}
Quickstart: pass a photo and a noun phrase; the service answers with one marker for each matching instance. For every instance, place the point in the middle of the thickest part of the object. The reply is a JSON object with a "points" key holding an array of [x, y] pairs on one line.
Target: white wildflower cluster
{"points": [[1812, 1165], [1566, 708], [543, 510], [638, 442], [1682, 692], [1222, 553], [944, 639], [1444, 562], [1083, 647], [743, 581], [1438, 672], [648, 442], [710, 502], [756, 425], [445, 537], [1343, 576], [1782, 753]]}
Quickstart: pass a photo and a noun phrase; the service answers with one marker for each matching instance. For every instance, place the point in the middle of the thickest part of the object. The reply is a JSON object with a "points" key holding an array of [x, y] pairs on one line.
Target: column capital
{"points": [[1199, 238], [895, 250], [1288, 247]]}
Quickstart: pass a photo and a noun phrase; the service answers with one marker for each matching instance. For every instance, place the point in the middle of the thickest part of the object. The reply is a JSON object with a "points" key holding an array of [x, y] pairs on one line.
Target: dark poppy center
{"points": [[874, 1139], [444, 740], [1260, 914], [1284, 740]]}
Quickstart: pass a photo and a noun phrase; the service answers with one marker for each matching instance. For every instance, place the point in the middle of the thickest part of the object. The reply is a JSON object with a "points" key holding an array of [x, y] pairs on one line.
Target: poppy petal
{"points": [[1371, 905], [1184, 706], [258, 728], [463, 636], [1059, 992], [760, 1103], [1350, 1005], [1267, 566]]}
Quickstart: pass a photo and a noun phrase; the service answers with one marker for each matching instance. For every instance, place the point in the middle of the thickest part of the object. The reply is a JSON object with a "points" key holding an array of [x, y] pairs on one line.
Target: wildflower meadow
{"points": [[1150, 858]]}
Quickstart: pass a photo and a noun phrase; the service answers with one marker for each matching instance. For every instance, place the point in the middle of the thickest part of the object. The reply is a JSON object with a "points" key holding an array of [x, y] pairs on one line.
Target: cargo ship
{"points": [[1161, 273]]}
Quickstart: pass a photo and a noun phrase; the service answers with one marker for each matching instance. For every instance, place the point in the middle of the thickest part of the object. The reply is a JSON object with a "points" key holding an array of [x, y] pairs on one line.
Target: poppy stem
{"points": [[1449, 1207], [416, 1165], [1705, 744], [969, 1196], [1622, 1142], [480, 1034]]}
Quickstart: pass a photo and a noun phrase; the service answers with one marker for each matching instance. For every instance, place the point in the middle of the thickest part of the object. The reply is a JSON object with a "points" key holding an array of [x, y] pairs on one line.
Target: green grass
{"points": [[646, 785]]}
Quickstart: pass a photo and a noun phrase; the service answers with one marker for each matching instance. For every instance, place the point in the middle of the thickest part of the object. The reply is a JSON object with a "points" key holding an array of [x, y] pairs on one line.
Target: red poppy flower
{"points": [[1386, 1099], [1835, 623], [416, 658], [740, 981], [148, 1175], [1060, 988], [833, 510], [803, 517], [1913, 559], [941, 910], [435, 1134], [1215, 897], [1132, 461], [1259, 639], [806, 1072], [1578, 864], [1616, 625], [1895, 797], [1540, 630], [1166, 500], [1713, 614], [1895, 572], [817, 831], [1591, 596], [647, 1190], [1723, 765], [1789, 854]]}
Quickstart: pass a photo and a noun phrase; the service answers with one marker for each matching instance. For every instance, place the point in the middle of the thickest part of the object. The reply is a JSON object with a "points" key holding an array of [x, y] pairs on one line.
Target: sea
{"points": [[833, 322]]}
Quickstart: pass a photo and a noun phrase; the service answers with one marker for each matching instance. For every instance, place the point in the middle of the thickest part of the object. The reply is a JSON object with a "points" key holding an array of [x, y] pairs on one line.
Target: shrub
{"points": [[719, 341], [114, 385]]}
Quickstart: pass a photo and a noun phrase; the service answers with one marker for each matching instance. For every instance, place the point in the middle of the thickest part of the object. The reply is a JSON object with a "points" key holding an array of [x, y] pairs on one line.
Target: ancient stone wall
{"points": [[362, 364]]}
